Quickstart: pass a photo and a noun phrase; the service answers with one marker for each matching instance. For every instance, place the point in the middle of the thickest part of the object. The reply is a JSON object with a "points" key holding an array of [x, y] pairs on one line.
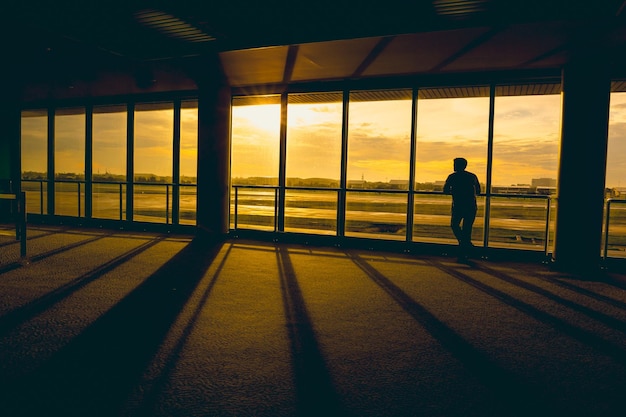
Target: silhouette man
{"points": [[463, 186]]}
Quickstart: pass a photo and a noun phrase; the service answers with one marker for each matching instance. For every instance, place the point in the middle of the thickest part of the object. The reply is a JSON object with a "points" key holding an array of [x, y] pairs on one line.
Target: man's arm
{"points": [[476, 185], [447, 187]]}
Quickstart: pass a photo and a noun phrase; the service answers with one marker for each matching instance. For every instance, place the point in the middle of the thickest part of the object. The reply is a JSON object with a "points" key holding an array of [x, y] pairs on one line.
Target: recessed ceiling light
{"points": [[172, 26], [459, 8]]}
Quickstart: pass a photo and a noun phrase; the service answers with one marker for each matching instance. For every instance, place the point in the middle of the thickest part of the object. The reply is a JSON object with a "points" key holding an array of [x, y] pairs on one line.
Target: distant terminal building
{"points": [[543, 182], [543, 186], [511, 189]]}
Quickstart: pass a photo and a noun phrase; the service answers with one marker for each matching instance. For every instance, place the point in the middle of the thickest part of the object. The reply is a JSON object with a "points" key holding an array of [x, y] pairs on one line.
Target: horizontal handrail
{"points": [[276, 188]]}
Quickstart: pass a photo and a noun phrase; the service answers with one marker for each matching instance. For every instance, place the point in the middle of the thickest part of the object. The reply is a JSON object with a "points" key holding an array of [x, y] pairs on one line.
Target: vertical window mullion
{"points": [[411, 196], [130, 160], [492, 102], [51, 169], [282, 161], [88, 160], [176, 164], [341, 200]]}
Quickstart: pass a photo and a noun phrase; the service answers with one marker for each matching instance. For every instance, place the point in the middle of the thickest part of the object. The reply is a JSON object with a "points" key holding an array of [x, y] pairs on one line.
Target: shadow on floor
{"points": [[94, 373]]}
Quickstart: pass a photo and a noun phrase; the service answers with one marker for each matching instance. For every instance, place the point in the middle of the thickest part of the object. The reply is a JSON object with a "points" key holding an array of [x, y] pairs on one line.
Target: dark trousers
{"points": [[461, 222]]}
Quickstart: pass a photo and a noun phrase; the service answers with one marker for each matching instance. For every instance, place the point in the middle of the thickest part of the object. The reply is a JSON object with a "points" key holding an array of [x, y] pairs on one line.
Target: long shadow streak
{"points": [[315, 392], [584, 336], [513, 396], [94, 373], [14, 317], [17, 242], [36, 258], [149, 402], [563, 284], [596, 315]]}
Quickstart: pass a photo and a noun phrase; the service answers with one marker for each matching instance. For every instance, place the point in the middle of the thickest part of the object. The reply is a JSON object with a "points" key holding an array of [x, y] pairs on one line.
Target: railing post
{"points": [[167, 204], [78, 183], [22, 223], [121, 202], [606, 229], [547, 240], [236, 206], [276, 207], [41, 197]]}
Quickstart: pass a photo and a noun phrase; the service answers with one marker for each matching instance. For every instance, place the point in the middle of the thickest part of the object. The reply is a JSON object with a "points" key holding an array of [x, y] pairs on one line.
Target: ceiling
{"points": [[282, 42]]}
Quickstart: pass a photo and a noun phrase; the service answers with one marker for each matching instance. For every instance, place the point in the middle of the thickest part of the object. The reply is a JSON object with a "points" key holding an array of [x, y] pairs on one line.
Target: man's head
{"points": [[460, 164]]}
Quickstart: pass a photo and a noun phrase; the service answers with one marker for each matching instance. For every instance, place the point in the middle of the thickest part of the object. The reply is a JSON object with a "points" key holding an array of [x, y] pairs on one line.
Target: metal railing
{"points": [[267, 204], [77, 206], [607, 224]]}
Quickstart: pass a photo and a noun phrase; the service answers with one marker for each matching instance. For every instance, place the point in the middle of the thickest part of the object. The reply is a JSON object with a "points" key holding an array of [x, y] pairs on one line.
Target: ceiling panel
{"points": [[512, 48], [331, 60], [255, 66], [420, 52]]}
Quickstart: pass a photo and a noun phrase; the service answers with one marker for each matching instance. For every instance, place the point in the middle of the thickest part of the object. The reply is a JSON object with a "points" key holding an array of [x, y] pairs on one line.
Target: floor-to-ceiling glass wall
{"points": [[378, 164], [451, 123], [524, 165], [188, 161], [103, 192], [313, 162], [69, 162], [255, 155], [615, 183], [349, 170], [153, 159], [109, 136], [34, 159]]}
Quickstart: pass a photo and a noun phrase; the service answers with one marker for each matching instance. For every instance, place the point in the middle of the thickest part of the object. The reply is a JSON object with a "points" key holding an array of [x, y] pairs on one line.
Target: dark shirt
{"points": [[464, 187]]}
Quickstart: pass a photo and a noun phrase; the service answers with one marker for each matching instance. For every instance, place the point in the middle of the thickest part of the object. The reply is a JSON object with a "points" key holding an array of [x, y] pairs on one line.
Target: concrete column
{"points": [[10, 120], [214, 101], [582, 170]]}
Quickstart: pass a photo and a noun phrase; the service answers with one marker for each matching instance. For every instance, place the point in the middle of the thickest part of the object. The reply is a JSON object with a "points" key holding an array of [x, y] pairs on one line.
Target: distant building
{"points": [[438, 185], [399, 184], [511, 189], [543, 182], [356, 183]]}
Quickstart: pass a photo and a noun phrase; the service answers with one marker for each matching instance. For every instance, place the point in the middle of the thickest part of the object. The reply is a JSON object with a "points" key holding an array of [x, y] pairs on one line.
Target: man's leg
{"points": [[455, 224], [466, 232]]}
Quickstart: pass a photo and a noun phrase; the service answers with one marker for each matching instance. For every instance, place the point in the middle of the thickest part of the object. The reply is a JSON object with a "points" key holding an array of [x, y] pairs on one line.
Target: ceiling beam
{"points": [[547, 54], [290, 62], [467, 48], [371, 57]]}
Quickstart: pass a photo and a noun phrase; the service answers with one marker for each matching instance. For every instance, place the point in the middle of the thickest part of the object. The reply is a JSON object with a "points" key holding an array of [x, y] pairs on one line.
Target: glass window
{"points": [[379, 155], [188, 161], [34, 158], [450, 123], [153, 158], [109, 162], [69, 162], [379, 139], [616, 155], [255, 151], [616, 177], [314, 128], [524, 167]]}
